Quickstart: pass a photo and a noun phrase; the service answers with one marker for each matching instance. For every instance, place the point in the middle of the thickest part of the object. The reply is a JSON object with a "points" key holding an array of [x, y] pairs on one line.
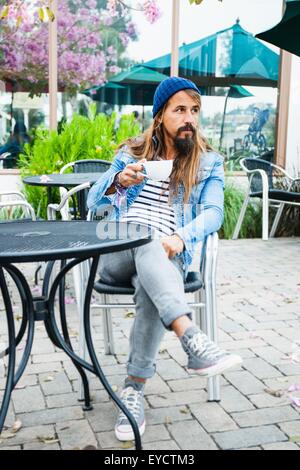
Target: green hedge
{"points": [[233, 200]]}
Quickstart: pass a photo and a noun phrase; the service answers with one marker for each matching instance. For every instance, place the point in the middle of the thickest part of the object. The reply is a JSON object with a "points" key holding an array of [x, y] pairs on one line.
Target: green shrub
{"points": [[82, 138], [252, 224]]}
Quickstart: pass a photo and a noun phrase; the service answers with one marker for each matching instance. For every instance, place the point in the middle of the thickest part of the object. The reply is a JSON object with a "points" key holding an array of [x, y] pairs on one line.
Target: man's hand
{"points": [[173, 245], [131, 174]]}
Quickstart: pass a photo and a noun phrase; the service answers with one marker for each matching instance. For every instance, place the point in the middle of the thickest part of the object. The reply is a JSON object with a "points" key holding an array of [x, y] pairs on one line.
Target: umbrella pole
{"points": [[12, 107], [223, 122], [53, 69], [143, 119], [175, 39]]}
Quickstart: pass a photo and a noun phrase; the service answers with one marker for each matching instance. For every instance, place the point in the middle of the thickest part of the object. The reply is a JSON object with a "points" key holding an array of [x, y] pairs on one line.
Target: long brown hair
{"points": [[151, 146]]}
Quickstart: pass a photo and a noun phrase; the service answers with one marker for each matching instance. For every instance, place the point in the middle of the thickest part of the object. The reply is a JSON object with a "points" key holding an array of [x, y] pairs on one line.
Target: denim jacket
{"points": [[202, 215]]}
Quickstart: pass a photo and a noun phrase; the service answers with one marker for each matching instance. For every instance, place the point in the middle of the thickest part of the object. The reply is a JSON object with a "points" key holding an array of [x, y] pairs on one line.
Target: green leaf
{"points": [[41, 14], [19, 21], [4, 12], [50, 14]]}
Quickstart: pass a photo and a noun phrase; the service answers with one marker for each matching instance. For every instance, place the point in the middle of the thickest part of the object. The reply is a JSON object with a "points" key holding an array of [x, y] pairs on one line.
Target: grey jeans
{"points": [[159, 298]]}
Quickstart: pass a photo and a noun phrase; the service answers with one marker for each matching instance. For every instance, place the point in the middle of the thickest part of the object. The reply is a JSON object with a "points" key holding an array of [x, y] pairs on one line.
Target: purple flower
{"points": [[82, 58], [151, 10]]}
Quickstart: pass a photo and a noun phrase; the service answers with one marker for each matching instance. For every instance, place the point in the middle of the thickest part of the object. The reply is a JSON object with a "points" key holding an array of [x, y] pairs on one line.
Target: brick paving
{"points": [[259, 318]]}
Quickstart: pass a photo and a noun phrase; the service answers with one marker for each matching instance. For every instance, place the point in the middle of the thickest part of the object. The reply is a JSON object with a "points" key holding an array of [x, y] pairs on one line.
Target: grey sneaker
{"points": [[205, 358], [132, 397]]}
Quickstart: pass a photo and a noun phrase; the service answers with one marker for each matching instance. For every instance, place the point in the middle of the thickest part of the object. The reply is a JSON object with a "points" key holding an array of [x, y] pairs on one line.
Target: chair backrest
{"points": [[11, 196], [63, 206], [91, 166], [10, 159], [258, 164], [16, 209], [6, 160], [87, 166], [268, 156]]}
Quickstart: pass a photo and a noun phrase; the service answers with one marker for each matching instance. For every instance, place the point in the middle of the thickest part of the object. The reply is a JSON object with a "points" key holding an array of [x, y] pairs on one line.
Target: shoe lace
{"points": [[199, 344], [131, 398]]}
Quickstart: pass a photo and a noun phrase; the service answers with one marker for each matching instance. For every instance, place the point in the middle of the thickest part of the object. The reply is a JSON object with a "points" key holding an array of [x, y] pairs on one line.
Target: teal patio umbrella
{"points": [[286, 34], [232, 56], [111, 93], [135, 86], [138, 74], [235, 91]]}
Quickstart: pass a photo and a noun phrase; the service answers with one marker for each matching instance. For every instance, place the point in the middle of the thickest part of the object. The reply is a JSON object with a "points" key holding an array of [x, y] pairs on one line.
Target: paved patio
{"points": [[259, 317]]}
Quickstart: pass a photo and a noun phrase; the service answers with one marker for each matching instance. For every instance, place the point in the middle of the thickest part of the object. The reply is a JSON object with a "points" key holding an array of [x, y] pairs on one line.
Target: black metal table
{"points": [[65, 180], [72, 242]]}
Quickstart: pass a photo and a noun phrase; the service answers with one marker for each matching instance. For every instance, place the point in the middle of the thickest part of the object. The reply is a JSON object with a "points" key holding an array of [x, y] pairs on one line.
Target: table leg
{"points": [[62, 308], [27, 318], [93, 356], [27, 323], [82, 204], [95, 368], [11, 347], [49, 292], [49, 194]]}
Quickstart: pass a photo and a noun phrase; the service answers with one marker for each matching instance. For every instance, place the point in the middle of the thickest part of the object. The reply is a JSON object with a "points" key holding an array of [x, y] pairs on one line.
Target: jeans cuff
{"points": [[168, 318], [141, 373]]}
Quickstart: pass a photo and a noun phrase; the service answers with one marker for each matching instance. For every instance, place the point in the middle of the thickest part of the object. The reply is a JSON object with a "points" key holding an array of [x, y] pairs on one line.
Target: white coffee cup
{"points": [[158, 170]]}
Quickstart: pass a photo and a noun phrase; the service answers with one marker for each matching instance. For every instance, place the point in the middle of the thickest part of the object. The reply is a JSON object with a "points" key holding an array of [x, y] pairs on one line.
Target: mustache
{"points": [[187, 127]]}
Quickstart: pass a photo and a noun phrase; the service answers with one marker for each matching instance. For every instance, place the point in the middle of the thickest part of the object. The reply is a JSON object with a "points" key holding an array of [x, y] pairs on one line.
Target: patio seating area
{"points": [[259, 317], [113, 136]]}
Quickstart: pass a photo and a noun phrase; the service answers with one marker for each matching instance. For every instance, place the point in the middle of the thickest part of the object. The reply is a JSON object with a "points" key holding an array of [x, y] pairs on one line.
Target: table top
{"points": [[68, 180], [28, 241]]}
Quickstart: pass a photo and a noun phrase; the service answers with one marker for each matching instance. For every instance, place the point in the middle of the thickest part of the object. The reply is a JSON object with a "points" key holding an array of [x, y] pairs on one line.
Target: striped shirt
{"points": [[152, 208]]}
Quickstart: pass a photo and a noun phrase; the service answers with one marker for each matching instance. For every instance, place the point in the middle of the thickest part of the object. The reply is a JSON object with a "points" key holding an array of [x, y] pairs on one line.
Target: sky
{"points": [[198, 21]]}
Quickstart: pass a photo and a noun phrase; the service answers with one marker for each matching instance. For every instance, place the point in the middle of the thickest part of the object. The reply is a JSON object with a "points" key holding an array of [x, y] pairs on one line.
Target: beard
{"points": [[184, 146]]}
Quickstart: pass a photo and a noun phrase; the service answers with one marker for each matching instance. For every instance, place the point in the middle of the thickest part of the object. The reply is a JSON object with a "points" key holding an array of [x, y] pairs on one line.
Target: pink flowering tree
{"points": [[92, 37]]}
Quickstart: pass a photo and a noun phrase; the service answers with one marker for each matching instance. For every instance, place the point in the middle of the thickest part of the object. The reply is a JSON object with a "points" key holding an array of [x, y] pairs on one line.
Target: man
{"points": [[182, 210]]}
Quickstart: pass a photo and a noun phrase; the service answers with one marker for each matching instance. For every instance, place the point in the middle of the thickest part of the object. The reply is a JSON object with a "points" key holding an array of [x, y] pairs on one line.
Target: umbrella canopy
{"points": [[237, 91], [135, 86], [115, 94], [286, 34], [138, 74], [228, 57]]}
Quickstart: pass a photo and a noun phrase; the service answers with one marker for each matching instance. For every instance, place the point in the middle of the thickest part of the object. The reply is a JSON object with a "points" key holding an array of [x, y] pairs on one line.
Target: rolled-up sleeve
{"points": [[211, 209]]}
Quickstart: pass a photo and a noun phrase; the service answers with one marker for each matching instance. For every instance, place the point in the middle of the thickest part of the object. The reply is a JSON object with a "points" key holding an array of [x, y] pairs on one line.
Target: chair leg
{"points": [[213, 383], [109, 346], [240, 219], [214, 393], [276, 220], [209, 318], [198, 310], [265, 216]]}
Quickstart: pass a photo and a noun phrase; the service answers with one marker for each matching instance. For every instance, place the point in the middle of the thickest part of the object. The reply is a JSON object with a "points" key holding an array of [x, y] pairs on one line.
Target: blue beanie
{"points": [[168, 88]]}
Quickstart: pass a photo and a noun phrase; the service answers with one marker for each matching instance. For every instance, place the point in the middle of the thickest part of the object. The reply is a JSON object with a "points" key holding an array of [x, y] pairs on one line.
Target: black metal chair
{"points": [[265, 182], [202, 284], [87, 166]]}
